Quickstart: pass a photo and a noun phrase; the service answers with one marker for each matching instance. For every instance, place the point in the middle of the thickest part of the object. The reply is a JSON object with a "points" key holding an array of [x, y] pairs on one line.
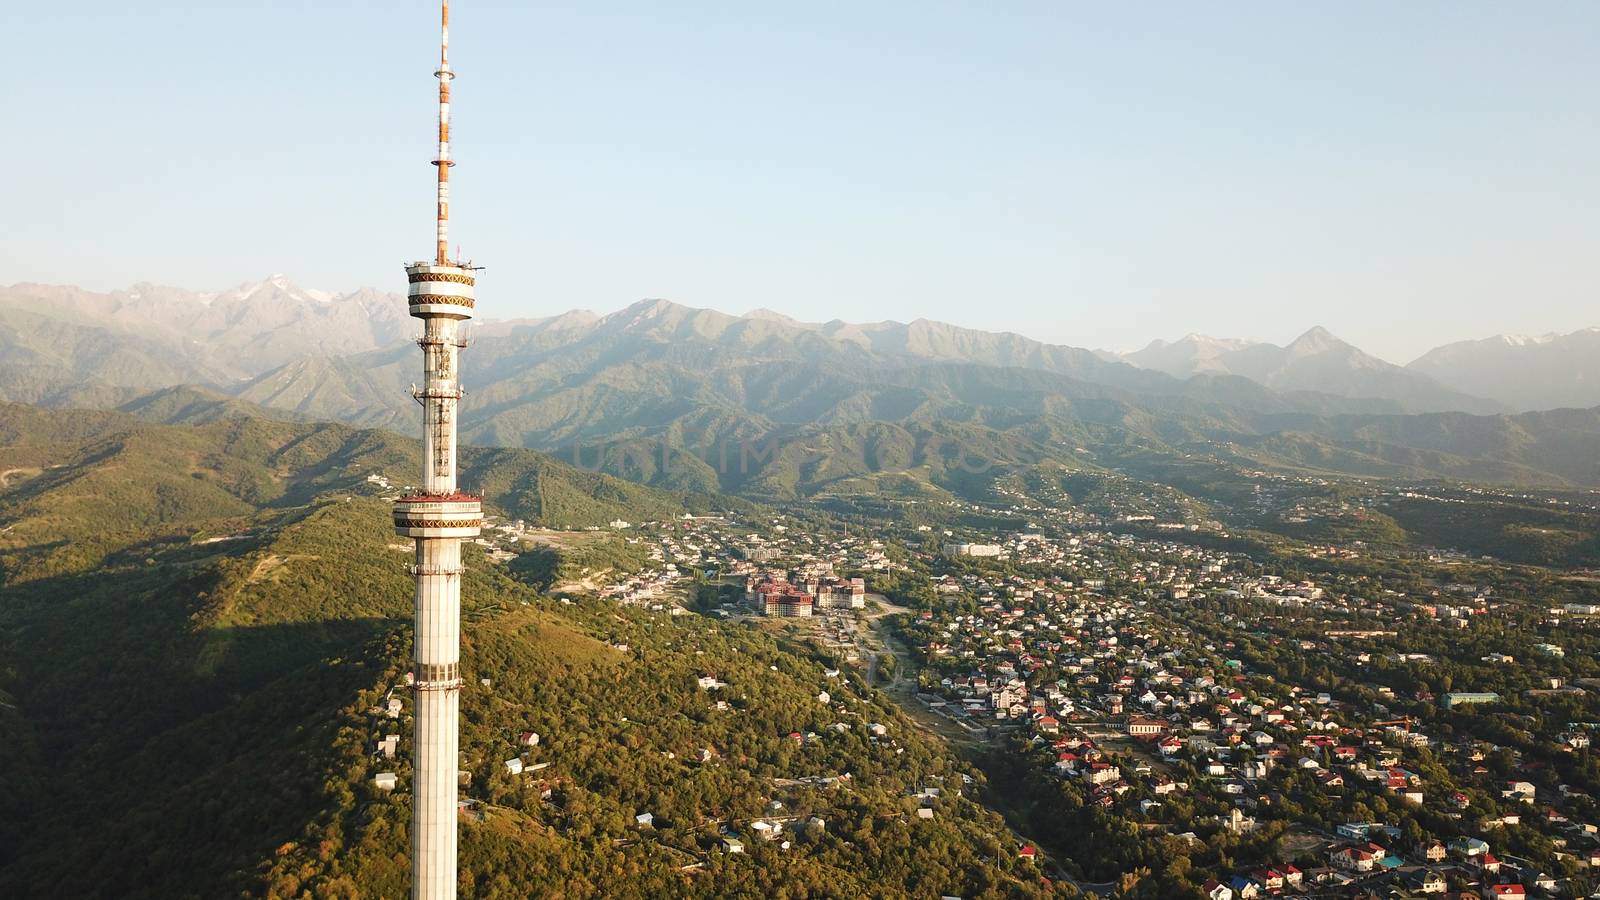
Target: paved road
{"points": [[904, 686], [904, 691]]}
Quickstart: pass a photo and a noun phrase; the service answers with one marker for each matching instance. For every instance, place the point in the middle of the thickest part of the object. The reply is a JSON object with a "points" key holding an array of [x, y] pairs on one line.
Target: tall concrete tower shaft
{"points": [[438, 518]]}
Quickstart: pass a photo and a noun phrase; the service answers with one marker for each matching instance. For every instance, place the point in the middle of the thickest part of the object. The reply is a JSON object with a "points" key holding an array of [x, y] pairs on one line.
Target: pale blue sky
{"points": [[1095, 174]]}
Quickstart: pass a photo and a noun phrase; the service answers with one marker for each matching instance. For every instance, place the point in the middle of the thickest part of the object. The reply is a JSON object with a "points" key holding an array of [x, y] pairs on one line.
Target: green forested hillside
{"points": [[96, 476], [188, 707], [673, 413], [192, 405]]}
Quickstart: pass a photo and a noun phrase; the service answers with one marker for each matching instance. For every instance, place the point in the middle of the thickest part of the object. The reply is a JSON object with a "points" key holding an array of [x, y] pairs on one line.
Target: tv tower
{"points": [[438, 517]]}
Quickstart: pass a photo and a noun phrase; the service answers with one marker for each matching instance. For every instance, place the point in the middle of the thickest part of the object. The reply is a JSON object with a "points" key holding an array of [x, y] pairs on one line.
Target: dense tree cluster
{"points": [[191, 706]]}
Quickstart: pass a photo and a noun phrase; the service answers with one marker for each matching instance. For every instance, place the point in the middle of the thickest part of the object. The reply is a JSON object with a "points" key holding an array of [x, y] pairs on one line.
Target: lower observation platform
{"points": [[438, 516]]}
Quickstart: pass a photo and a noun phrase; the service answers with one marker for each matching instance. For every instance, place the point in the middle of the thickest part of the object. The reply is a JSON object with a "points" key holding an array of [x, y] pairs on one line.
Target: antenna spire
{"points": [[443, 162]]}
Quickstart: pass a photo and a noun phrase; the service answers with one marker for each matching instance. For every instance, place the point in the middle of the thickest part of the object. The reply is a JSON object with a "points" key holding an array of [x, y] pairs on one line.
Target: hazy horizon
{"points": [[1090, 177], [319, 293]]}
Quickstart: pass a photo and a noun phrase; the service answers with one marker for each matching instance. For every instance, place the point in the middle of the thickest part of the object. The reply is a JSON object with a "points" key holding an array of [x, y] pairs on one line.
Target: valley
{"points": [[1057, 577]]}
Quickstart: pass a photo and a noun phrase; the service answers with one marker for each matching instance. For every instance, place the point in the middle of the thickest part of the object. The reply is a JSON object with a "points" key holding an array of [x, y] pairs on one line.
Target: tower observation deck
{"points": [[437, 518]]}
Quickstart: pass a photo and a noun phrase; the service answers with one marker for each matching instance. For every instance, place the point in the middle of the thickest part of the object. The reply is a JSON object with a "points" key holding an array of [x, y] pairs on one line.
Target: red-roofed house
{"points": [[1352, 859]]}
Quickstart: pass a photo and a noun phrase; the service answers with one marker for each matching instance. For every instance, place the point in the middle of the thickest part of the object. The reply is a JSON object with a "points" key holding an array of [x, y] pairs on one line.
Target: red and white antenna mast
{"points": [[443, 162]]}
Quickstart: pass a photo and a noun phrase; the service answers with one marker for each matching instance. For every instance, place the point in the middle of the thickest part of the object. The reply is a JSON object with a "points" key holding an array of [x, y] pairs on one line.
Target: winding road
{"points": [[28, 471]]}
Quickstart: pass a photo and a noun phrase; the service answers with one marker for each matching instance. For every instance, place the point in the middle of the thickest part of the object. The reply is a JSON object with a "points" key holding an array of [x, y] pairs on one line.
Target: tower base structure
{"points": [[438, 524]]}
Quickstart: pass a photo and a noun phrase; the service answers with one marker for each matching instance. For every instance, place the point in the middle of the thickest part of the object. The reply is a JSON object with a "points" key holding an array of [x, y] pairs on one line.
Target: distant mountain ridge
{"points": [[164, 336], [702, 384], [1193, 354], [68, 345], [1549, 372], [1315, 361], [217, 336]]}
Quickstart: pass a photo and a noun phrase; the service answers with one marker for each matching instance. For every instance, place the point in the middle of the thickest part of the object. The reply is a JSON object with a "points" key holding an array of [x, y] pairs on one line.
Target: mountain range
{"points": [[1547, 372], [1315, 361], [68, 346], [1495, 374], [765, 405]]}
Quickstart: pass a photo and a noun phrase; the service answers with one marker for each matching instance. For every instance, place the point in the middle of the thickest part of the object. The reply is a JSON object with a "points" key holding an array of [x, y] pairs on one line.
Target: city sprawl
{"points": [[1159, 703]]}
